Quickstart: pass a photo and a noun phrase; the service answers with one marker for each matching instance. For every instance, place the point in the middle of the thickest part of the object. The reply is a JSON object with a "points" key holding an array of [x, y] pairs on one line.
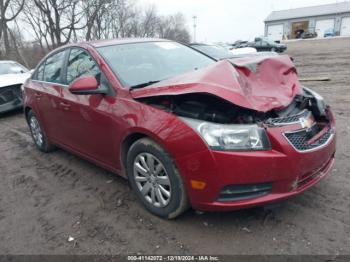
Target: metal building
{"points": [[320, 19]]}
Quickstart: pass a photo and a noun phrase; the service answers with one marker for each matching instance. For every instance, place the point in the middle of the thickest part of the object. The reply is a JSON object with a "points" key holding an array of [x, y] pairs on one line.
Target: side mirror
{"points": [[86, 85]]}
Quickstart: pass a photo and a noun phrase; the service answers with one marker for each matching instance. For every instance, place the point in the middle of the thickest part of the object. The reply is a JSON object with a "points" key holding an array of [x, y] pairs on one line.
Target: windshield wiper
{"points": [[144, 84]]}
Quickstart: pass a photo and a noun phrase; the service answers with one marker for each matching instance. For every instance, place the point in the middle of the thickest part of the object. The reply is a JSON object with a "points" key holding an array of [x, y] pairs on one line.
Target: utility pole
{"points": [[194, 28]]}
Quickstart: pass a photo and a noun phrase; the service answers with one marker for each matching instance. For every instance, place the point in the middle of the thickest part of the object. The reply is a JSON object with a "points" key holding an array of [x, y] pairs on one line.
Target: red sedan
{"points": [[184, 129]]}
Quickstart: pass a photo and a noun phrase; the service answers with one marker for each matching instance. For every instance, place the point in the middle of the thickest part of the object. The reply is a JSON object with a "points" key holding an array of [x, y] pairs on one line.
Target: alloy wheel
{"points": [[36, 131], [152, 179]]}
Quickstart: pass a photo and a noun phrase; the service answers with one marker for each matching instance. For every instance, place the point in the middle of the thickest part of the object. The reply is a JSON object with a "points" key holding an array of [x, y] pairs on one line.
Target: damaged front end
{"points": [[10, 97], [222, 123], [232, 105], [214, 109]]}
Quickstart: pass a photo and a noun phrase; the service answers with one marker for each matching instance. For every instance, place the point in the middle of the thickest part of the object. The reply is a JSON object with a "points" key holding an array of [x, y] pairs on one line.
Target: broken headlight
{"points": [[320, 105], [231, 137]]}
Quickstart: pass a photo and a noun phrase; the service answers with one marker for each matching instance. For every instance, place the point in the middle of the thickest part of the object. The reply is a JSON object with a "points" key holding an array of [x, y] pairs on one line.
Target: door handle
{"points": [[65, 106]]}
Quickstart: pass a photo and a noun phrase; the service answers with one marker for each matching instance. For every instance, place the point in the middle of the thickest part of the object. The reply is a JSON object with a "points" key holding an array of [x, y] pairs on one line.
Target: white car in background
{"points": [[12, 76]]}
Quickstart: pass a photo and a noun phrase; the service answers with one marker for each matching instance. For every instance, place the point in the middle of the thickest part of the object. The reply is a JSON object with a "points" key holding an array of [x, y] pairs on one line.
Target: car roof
{"points": [[120, 41]]}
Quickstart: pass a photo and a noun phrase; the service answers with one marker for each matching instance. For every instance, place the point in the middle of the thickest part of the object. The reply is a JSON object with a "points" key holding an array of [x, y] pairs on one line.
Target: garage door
{"points": [[323, 25], [275, 32], [345, 26]]}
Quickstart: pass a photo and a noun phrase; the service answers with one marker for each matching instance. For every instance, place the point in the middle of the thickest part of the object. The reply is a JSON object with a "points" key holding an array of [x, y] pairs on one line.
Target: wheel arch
{"points": [[27, 109], [131, 138], [126, 144], [184, 202]]}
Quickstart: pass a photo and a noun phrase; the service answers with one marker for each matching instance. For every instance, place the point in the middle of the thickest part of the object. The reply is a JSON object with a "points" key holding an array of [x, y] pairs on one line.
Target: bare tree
{"points": [[9, 10], [94, 11], [17, 44], [32, 16], [54, 22], [122, 18], [148, 22], [174, 27], [57, 22]]}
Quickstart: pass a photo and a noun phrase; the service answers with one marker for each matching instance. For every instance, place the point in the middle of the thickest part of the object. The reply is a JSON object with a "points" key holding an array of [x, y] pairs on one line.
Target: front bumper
{"points": [[10, 98], [289, 171]]}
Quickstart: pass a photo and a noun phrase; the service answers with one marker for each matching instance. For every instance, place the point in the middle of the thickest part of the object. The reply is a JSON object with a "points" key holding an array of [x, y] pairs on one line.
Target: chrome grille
{"points": [[299, 139], [288, 119]]}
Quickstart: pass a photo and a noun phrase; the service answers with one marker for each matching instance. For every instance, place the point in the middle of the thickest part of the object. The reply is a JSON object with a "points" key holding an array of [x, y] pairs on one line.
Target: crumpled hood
{"points": [[258, 83], [13, 79]]}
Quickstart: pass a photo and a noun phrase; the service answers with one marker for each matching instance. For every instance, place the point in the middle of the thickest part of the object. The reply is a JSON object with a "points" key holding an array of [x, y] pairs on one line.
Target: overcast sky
{"points": [[228, 20]]}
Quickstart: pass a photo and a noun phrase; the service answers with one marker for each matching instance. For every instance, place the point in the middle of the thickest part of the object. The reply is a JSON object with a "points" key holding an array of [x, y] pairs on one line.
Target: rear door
{"points": [[48, 85], [87, 124]]}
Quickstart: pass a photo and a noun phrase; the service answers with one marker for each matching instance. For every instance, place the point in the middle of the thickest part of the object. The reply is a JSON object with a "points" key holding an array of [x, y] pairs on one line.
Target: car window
{"points": [[40, 73], [53, 68], [80, 63]]}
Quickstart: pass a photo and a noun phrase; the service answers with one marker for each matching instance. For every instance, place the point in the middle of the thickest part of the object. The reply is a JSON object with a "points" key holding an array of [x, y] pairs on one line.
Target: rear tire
{"points": [[155, 180], [38, 134]]}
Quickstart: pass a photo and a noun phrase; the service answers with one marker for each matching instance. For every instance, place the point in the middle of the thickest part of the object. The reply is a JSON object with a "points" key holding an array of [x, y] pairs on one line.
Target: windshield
{"points": [[214, 51], [12, 68], [141, 63]]}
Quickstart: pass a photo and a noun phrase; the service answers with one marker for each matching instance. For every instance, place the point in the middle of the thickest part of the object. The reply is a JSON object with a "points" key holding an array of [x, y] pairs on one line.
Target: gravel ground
{"points": [[47, 198]]}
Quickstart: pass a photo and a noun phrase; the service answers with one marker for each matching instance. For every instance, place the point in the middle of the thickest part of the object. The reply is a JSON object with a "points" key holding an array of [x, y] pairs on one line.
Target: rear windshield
{"points": [[140, 63]]}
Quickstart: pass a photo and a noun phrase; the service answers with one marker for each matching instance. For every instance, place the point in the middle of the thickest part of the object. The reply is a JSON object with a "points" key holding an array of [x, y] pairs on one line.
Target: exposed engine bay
{"points": [[214, 109]]}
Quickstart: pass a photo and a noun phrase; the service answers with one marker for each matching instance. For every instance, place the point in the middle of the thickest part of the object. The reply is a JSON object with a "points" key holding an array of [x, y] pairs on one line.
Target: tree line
{"points": [[31, 28]]}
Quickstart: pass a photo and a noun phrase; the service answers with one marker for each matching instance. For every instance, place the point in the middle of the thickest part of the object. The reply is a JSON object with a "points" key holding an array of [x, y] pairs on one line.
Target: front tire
{"points": [[155, 179], [39, 137]]}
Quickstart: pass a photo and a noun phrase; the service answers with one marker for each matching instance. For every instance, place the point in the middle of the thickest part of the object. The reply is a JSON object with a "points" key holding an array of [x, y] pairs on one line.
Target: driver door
{"points": [[87, 125]]}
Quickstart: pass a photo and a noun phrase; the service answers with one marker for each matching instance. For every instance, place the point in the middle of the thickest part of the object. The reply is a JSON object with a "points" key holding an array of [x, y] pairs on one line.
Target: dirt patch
{"points": [[47, 198]]}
